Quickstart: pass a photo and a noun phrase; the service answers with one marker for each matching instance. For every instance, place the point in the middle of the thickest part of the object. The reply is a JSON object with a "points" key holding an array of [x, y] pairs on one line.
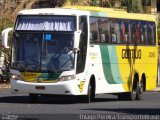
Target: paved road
{"points": [[12, 104]]}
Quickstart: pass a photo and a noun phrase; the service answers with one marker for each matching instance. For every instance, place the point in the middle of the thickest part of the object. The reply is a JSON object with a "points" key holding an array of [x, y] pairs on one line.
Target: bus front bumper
{"points": [[59, 88]]}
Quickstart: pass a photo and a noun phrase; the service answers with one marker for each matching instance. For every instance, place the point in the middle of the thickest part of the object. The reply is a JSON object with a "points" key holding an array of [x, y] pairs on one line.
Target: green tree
{"points": [[135, 6], [57, 3], [5, 22], [94, 3], [100, 3], [81, 2], [106, 3]]}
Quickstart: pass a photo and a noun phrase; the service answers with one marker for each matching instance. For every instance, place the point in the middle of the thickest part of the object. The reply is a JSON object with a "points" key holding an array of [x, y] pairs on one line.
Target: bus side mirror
{"points": [[5, 35], [77, 35]]}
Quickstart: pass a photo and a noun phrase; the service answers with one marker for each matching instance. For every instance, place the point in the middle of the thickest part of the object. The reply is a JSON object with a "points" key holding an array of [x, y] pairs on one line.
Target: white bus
{"points": [[82, 52]]}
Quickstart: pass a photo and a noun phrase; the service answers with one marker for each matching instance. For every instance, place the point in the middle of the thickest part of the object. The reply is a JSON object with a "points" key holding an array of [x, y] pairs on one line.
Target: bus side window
{"points": [[129, 31], [114, 40], [125, 29], [102, 29], [138, 33], [144, 33], [103, 38], [94, 36], [105, 34], [116, 31], [113, 31], [134, 39], [91, 37], [151, 33]]}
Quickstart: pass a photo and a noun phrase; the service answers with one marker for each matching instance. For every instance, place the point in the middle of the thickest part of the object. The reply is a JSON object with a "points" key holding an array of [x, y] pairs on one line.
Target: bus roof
{"points": [[53, 11], [115, 13], [88, 10]]}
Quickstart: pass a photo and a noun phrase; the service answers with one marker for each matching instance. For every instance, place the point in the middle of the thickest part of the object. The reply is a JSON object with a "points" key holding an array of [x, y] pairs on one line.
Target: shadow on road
{"points": [[138, 111], [14, 99], [50, 100], [41, 100], [105, 99]]}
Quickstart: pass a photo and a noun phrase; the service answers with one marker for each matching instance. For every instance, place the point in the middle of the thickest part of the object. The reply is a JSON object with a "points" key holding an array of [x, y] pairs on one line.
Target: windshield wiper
{"points": [[31, 67]]}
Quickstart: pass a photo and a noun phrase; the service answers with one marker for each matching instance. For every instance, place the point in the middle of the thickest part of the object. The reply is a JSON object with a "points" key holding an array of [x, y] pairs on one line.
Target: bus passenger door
{"points": [[81, 57]]}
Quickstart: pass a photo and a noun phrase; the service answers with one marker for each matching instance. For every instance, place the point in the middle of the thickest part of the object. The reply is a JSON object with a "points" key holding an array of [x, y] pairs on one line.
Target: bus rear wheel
{"points": [[137, 92]]}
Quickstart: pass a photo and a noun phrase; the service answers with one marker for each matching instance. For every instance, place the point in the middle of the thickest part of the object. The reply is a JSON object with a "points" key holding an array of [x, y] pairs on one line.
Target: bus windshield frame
{"points": [[44, 50]]}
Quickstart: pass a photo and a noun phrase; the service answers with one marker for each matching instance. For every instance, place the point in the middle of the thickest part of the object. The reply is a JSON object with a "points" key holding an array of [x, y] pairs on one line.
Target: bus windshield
{"points": [[47, 50]]}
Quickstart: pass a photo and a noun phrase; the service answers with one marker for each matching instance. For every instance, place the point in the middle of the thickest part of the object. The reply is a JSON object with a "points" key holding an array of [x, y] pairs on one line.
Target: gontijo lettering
{"points": [[131, 53]]}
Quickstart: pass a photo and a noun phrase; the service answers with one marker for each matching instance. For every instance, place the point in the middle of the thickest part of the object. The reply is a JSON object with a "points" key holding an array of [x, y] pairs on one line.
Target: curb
{"points": [[6, 86], [155, 90]]}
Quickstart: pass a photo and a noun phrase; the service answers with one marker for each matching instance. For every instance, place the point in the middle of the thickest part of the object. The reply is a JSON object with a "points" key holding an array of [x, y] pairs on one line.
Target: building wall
{"points": [[158, 7], [153, 7]]}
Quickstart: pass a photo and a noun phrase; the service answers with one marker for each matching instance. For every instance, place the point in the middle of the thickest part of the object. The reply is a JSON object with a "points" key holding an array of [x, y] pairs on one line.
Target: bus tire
{"points": [[133, 95], [87, 98], [90, 94], [139, 94], [33, 98]]}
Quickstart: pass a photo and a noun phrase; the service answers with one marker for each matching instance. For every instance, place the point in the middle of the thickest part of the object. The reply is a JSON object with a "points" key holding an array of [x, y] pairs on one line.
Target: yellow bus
{"points": [[105, 51]]}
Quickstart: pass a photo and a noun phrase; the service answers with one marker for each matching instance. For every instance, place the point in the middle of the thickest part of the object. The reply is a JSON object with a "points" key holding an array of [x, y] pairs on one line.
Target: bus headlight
{"points": [[66, 78], [16, 77]]}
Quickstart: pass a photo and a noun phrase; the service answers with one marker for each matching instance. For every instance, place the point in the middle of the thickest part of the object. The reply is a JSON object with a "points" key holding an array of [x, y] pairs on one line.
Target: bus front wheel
{"points": [[90, 94]]}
